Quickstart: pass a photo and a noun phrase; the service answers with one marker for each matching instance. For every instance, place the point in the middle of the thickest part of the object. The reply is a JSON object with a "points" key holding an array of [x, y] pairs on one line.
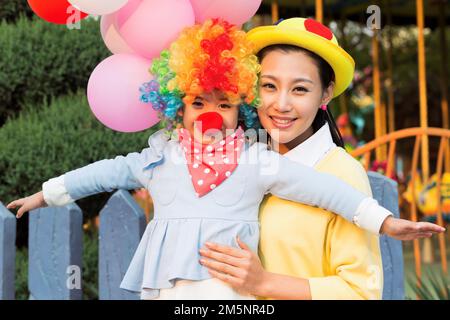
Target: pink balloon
{"points": [[110, 24], [153, 24], [124, 13], [111, 36], [234, 11], [113, 93]]}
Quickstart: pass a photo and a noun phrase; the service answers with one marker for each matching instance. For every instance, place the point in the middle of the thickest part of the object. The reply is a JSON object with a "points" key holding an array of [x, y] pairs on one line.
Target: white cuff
{"points": [[55, 193], [370, 215]]}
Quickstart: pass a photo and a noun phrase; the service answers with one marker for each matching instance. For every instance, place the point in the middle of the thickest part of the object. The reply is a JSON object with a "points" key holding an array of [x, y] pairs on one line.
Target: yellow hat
{"points": [[313, 36]]}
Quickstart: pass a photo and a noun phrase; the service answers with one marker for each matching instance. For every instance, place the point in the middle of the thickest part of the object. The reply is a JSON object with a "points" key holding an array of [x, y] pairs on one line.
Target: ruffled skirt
{"points": [[169, 251]]}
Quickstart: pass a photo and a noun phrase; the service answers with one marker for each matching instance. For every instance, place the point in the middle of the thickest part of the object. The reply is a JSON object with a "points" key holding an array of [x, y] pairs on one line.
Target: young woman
{"points": [[305, 252]]}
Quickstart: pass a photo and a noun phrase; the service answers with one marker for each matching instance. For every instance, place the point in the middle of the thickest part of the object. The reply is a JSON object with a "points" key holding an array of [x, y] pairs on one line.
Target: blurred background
{"points": [[401, 82]]}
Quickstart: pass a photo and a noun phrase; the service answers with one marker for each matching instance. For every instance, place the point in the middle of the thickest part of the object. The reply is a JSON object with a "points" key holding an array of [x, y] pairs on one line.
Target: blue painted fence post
{"points": [[7, 253], [385, 191], [122, 224], [55, 253]]}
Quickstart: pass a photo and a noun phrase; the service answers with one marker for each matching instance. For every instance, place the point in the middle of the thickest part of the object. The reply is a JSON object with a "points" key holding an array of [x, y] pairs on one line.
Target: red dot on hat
{"points": [[316, 27]]}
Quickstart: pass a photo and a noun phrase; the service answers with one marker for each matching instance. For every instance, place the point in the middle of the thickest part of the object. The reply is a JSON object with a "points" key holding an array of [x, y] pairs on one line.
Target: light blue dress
{"points": [[169, 248]]}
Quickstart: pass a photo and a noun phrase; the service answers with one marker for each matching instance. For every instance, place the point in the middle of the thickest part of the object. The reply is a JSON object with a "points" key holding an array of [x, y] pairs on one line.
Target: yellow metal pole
{"points": [[391, 105], [376, 91], [417, 253], [444, 78], [319, 10], [390, 88], [422, 90], [383, 129], [275, 16], [383, 113]]}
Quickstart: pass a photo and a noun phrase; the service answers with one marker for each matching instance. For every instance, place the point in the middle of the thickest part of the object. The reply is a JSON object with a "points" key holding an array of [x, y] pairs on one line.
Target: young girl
{"points": [[206, 188]]}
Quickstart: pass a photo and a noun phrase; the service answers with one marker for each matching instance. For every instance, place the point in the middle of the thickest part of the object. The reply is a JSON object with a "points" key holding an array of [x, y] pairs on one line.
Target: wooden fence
{"points": [[55, 248]]}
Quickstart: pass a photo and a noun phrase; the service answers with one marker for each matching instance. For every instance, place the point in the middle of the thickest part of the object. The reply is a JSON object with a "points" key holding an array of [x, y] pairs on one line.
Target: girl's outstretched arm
{"points": [[293, 181], [123, 172]]}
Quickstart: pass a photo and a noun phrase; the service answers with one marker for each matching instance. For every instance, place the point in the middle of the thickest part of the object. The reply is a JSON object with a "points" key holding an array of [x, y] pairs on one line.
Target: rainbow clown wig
{"points": [[213, 55]]}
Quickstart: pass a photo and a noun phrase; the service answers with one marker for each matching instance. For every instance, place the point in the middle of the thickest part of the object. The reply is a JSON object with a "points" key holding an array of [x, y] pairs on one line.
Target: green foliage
{"points": [[21, 281], [90, 265], [434, 286], [44, 142], [11, 9], [39, 60]]}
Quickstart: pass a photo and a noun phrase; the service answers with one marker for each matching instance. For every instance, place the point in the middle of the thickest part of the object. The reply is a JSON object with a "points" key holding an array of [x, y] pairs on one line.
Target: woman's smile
{"points": [[282, 122]]}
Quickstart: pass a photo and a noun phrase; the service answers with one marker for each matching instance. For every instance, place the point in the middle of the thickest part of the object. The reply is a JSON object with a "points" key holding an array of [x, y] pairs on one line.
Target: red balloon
{"points": [[56, 11]]}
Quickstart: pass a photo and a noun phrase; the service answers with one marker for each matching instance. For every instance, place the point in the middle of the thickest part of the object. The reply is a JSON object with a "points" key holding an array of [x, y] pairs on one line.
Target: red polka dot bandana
{"points": [[210, 164]]}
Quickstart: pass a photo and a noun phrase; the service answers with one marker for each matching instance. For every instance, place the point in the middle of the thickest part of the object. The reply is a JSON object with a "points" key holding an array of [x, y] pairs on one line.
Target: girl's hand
{"points": [[402, 229], [240, 268], [29, 203]]}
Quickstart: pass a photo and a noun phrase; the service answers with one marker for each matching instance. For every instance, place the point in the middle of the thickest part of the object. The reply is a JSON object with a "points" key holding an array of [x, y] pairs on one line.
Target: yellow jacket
{"points": [[340, 260]]}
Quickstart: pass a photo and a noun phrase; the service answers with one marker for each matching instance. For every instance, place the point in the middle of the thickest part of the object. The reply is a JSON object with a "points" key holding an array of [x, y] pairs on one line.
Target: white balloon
{"points": [[98, 7]]}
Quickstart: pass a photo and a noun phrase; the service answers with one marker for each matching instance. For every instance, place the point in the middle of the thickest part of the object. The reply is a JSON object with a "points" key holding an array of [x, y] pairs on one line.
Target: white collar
{"points": [[313, 149]]}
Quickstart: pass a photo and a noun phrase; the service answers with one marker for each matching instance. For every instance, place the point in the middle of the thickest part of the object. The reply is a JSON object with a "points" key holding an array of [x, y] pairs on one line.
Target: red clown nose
{"points": [[210, 120]]}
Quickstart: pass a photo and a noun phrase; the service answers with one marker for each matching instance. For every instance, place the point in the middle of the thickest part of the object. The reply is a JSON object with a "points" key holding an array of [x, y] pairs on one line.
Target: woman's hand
{"points": [[240, 268], [29, 203], [402, 229]]}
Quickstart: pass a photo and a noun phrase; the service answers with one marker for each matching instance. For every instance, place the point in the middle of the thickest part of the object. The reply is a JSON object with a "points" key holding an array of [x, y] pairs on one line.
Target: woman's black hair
{"points": [[326, 74]]}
